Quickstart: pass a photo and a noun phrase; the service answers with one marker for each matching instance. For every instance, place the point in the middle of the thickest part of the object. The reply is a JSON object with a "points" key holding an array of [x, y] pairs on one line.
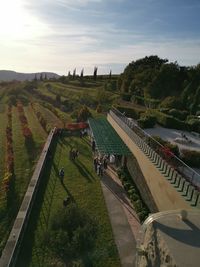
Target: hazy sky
{"points": [[59, 35]]}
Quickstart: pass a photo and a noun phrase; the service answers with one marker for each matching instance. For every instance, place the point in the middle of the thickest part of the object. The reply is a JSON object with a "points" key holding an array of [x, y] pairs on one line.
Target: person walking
{"points": [[101, 169], [105, 162], [62, 174], [95, 162], [76, 153], [93, 146]]}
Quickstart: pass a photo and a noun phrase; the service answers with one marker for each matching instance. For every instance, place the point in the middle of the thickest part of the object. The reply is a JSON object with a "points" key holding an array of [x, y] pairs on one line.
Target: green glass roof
{"points": [[106, 138]]}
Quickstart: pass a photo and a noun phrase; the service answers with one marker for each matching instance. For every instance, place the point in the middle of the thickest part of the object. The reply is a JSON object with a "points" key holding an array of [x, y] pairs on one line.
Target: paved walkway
{"points": [[124, 221]]}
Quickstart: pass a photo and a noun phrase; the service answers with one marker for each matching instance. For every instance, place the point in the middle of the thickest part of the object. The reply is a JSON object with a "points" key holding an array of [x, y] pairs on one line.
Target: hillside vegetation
{"points": [[28, 111], [156, 82]]}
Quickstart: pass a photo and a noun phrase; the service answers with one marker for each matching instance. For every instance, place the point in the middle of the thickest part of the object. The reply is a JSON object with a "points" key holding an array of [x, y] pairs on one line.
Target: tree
{"points": [[35, 78], [74, 74], [69, 74], [82, 72], [41, 77], [95, 73], [99, 108], [81, 78], [110, 75], [45, 77], [84, 114], [58, 99], [71, 235]]}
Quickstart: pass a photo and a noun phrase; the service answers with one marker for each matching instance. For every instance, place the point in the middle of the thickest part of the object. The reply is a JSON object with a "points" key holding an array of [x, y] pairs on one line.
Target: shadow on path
{"points": [[118, 191]]}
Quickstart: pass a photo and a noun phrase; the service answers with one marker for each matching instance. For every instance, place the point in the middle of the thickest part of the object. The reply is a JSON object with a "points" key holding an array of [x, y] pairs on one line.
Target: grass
{"points": [[82, 184], [23, 167], [39, 135], [51, 118], [26, 156], [3, 124], [22, 172]]}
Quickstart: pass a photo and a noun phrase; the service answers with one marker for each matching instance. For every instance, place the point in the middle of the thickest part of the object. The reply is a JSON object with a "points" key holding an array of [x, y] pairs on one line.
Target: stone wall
{"points": [[11, 250], [139, 180]]}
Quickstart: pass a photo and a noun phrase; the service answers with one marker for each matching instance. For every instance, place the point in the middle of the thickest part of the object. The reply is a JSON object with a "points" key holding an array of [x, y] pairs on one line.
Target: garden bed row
{"points": [[9, 162], [133, 193]]}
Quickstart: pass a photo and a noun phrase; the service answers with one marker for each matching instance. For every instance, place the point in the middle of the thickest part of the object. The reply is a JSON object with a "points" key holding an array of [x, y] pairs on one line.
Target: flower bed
{"points": [[24, 123], [41, 119], [9, 164]]}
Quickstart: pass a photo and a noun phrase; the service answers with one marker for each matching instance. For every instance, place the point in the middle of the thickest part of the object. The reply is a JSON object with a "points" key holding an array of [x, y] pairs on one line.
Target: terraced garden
{"points": [[33, 112], [83, 186]]}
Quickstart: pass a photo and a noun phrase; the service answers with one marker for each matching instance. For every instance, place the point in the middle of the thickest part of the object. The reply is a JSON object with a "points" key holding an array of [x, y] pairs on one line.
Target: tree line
{"points": [[158, 79]]}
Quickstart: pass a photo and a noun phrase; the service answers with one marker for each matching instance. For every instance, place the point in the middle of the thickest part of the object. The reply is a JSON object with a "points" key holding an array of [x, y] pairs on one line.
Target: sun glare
{"points": [[16, 23]]}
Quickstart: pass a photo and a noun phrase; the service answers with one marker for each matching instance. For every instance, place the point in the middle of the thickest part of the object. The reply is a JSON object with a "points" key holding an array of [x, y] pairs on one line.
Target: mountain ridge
{"points": [[10, 75]]}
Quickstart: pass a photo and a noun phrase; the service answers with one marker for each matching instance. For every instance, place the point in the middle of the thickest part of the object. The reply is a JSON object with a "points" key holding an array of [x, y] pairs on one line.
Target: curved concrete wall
{"points": [[164, 194]]}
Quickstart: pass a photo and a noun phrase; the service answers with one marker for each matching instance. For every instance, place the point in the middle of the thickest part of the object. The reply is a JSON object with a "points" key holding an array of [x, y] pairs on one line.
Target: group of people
{"points": [[100, 164], [73, 154], [83, 133]]}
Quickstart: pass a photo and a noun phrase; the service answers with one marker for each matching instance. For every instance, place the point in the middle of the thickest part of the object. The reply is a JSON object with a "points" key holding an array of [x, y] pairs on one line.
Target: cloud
{"points": [[61, 35], [76, 2]]}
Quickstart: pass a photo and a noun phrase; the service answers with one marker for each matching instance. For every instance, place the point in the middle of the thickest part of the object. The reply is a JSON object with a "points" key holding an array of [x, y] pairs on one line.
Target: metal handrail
{"points": [[192, 176]]}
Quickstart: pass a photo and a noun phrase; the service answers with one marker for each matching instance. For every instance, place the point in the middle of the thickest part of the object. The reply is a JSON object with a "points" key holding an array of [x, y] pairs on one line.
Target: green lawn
{"points": [[3, 124], [39, 135], [23, 167], [51, 118], [82, 184]]}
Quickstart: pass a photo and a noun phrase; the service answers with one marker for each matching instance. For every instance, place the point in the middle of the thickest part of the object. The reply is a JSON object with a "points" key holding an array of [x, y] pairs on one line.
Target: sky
{"points": [[60, 35]]}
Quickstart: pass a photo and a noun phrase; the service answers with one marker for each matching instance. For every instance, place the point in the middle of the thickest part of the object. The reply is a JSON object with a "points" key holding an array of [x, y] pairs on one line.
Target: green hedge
{"points": [[126, 96], [194, 125], [147, 122], [173, 148], [169, 121], [140, 207], [179, 114], [130, 112], [191, 157]]}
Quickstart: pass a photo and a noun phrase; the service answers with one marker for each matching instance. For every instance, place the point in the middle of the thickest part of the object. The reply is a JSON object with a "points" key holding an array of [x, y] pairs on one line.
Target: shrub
{"points": [[99, 108], [83, 114], [147, 121], [194, 125], [24, 123], [71, 235], [191, 157], [171, 102], [173, 148], [126, 96], [169, 121], [134, 197], [138, 205], [127, 185], [41, 119], [130, 112], [143, 215], [179, 114], [133, 193]]}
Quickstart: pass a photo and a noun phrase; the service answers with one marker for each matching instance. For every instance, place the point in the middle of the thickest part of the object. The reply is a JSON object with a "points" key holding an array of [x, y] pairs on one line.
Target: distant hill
{"points": [[8, 75]]}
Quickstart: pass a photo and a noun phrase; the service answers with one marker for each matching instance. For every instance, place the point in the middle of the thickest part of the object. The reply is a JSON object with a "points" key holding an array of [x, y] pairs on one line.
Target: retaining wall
{"points": [[164, 194], [10, 252]]}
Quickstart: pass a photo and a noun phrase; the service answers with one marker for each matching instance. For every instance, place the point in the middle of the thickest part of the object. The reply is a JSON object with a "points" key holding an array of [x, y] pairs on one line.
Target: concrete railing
{"points": [[182, 177], [11, 250]]}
